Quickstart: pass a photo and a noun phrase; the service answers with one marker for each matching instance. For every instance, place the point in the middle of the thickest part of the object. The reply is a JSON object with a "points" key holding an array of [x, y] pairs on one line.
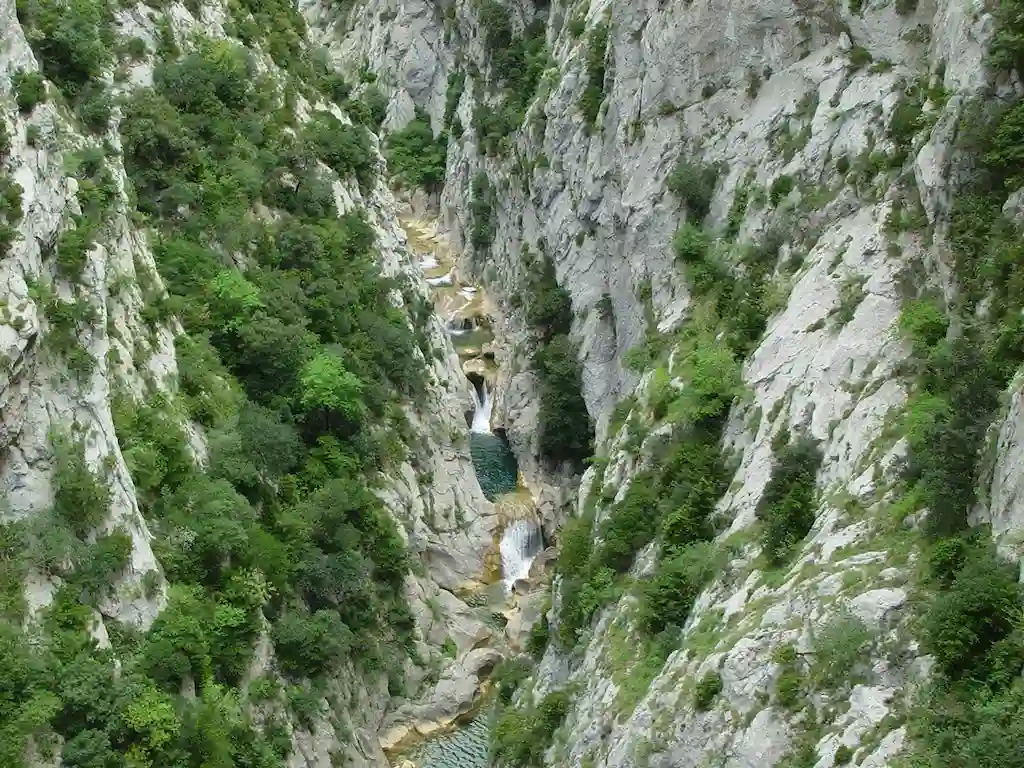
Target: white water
{"points": [[482, 413], [429, 262], [455, 324], [519, 546], [436, 282]]}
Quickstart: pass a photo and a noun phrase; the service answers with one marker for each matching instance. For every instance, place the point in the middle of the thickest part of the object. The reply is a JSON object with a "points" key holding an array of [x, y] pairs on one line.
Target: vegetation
{"points": [[597, 53], [973, 714], [481, 214], [521, 737], [296, 366], [787, 507], [694, 185], [708, 689], [672, 503], [517, 63], [415, 157], [564, 424], [780, 188], [29, 90]]}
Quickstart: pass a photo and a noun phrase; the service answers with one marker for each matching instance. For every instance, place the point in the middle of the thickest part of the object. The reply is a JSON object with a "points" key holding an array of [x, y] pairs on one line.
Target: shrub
{"points": [[575, 546], [517, 62], [72, 251], [597, 52], [565, 427], [971, 716], [370, 109], [481, 214], [860, 57], [135, 48], [80, 499], [520, 738], [453, 94], [780, 188], [537, 642], [95, 109], [838, 649], [343, 148], [708, 689], [508, 676], [72, 40], [788, 685], [29, 90], [310, 644], [416, 157], [668, 597], [967, 626], [787, 506], [851, 294], [306, 704], [924, 323], [694, 185], [691, 244]]}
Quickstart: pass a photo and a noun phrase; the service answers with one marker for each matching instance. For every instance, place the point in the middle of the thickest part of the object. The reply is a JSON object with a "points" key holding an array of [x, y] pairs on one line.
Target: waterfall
{"points": [[519, 545], [436, 282], [456, 325], [482, 413]]}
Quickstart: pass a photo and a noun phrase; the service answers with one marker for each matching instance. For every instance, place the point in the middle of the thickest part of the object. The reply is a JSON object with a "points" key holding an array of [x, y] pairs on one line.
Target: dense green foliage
{"points": [[597, 53], [708, 688], [296, 367], [481, 215], [787, 506], [694, 185], [522, 736], [517, 62], [415, 157], [671, 503], [565, 429], [974, 714]]}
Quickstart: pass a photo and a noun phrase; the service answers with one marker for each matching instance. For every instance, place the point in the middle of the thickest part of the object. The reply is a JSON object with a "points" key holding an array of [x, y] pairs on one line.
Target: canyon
{"points": [[475, 383]]}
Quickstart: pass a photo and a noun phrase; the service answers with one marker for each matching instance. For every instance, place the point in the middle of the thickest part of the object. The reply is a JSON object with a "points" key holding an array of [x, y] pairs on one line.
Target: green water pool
{"points": [[495, 465], [465, 747]]}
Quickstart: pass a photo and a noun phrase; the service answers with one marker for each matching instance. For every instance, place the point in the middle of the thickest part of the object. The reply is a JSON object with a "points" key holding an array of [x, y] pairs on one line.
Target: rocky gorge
{"points": [[476, 382]]}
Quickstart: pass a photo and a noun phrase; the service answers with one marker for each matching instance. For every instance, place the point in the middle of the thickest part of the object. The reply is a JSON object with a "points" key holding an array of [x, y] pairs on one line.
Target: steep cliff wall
{"points": [[803, 191], [151, 496]]}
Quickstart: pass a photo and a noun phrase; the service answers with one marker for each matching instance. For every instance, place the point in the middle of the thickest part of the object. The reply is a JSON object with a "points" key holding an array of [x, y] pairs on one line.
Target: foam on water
{"points": [[482, 413], [519, 546]]}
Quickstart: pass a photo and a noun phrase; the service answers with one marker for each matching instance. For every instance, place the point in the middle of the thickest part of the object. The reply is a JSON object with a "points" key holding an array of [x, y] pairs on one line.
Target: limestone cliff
{"points": [[74, 341], [831, 137]]}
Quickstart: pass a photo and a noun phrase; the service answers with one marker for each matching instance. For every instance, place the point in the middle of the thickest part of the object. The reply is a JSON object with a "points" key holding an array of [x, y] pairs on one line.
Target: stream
{"points": [[465, 309]]}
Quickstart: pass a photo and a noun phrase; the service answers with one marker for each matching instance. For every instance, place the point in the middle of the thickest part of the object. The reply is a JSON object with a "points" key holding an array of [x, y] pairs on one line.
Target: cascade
{"points": [[520, 544], [482, 412], [436, 282], [457, 325], [466, 746]]}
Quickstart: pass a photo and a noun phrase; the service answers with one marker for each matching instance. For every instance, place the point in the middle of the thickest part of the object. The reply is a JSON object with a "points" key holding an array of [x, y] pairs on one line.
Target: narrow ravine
{"points": [[467, 315]]}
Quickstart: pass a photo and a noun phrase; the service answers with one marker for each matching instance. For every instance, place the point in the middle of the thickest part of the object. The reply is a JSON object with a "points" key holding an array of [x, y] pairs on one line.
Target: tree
{"points": [[327, 386]]}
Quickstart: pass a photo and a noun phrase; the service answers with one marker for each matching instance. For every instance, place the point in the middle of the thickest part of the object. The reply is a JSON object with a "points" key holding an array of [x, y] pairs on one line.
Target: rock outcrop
{"points": [[48, 398], [821, 138], [831, 130]]}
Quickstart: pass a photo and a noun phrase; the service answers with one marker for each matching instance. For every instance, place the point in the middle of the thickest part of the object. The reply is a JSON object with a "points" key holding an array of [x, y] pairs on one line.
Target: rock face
{"points": [[792, 102], [437, 502], [830, 129]]}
